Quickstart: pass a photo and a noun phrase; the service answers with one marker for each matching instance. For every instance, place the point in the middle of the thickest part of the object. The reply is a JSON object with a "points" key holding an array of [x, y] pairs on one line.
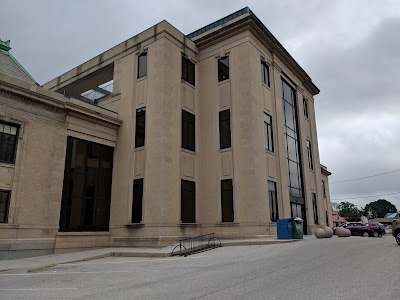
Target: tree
{"points": [[379, 208], [349, 211]]}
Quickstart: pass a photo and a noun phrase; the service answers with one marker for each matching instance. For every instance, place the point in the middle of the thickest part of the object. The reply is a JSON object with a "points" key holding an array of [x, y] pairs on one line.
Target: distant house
{"points": [[388, 219], [337, 219]]}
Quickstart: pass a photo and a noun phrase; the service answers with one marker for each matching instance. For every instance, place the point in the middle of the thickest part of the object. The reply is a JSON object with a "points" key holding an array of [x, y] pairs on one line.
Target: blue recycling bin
{"points": [[284, 229]]}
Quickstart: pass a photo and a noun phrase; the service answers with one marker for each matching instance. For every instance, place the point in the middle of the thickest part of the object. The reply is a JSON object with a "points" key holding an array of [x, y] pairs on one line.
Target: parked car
{"points": [[396, 228], [358, 228], [379, 229]]}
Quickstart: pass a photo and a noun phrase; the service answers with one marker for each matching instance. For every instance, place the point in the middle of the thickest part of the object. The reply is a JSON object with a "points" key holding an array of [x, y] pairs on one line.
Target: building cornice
{"points": [[17, 89], [253, 24], [324, 171]]}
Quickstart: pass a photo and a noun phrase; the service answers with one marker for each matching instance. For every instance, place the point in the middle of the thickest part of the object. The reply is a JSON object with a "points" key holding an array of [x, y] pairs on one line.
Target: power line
{"points": [[368, 196], [354, 179]]}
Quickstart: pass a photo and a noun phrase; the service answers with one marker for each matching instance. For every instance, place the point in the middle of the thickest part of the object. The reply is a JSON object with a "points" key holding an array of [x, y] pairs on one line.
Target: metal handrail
{"points": [[196, 244]]}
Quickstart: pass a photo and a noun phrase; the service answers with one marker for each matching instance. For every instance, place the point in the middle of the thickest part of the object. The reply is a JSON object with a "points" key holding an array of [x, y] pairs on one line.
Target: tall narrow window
{"points": [[227, 200], [305, 107], [273, 201], [137, 203], [188, 131], [269, 140], [8, 142], [224, 129], [310, 157], [315, 208], [326, 218], [4, 204], [188, 201], [86, 195], [223, 68], [323, 189], [188, 71], [140, 134], [142, 65], [265, 73]]}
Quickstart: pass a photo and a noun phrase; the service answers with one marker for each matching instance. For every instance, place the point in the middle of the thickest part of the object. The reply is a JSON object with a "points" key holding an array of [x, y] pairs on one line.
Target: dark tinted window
{"points": [[224, 129], [142, 65], [188, 131], [137, 202], [273, 201], [223, 68], [86, 197], [315, 208], [188, 71], [265, 73], [140, 134], [310, 157], [305, 107], [4, 204], [188, 201], [323, 189], [227, 200], [8, 142], [268, 135]]}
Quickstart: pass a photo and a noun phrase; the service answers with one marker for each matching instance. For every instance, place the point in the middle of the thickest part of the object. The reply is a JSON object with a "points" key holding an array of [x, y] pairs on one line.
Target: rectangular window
{"points": [[323, 189], [8, 142], [86, 196], [223, 68], [315, 208], [142, 65], [326, 218], [305, 107], [227, 200], [310, 157], [188, 131], [273, 201], [140, 134], [225, 129], [137, 203], [269, 139], [188, 71], [265, 73], [4, 204], [188, 201]]}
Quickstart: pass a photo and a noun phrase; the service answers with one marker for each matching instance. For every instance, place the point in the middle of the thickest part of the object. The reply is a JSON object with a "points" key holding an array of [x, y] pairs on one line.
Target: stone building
{"points": [[163, 136]]}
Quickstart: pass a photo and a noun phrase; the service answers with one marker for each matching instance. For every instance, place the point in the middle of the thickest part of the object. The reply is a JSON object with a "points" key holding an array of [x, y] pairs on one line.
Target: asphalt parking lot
{"points": [[347, 268]]}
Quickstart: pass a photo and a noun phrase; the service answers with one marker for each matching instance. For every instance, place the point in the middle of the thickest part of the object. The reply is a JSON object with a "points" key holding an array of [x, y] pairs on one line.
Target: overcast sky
{"points": [[351, 50]]}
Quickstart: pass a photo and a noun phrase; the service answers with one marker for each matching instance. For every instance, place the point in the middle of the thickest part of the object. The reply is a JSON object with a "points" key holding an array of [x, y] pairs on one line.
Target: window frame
{"points": [[315, 208], [4, 146], [190, 191], [188, 67], [224, 209], [139, 73], [4, 220], [268, 133], [273, 201], [140, 138], [137, 184], [305, 107], [309, 155], [225, 135], [221, 73], [323, 188], [265, 73], [186, 142]]}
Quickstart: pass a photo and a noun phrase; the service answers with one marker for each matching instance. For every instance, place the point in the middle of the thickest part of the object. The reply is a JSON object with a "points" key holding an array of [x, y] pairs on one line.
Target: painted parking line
{"points": [[49, 289], [131, 262], [100, 272]]}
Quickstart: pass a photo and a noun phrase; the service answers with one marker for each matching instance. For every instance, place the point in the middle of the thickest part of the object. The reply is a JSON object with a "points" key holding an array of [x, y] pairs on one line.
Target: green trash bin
{"points": [[297, 227]]}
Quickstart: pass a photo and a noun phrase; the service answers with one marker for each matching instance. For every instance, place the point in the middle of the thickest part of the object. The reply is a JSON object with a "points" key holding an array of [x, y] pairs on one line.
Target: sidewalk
{"points": [[39, 262]]}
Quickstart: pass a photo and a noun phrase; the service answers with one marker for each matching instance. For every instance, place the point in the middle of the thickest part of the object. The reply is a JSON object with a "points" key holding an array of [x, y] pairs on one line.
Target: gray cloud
{"points": [[349, 48]]}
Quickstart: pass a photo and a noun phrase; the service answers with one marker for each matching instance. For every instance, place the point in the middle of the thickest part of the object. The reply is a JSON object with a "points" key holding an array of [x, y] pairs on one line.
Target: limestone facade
{"points": [[36, 178]]}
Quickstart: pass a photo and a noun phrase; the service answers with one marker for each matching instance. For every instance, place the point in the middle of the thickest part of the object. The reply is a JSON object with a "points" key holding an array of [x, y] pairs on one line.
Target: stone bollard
{"points": [[319, 233], [328, 231], [342, 232]]}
